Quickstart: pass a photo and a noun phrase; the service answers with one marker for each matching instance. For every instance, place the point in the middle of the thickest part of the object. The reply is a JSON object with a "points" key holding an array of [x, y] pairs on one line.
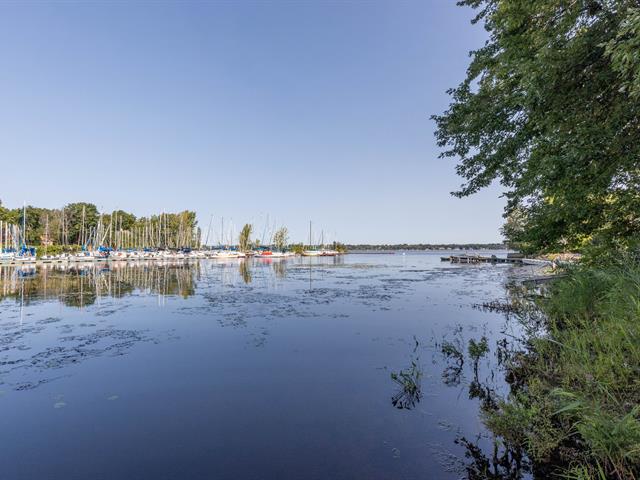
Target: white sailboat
{"points": [[310, 252]]}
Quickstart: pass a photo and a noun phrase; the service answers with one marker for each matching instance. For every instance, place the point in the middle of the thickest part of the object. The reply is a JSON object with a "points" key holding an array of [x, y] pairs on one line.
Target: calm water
{"points": [[247, 370]]}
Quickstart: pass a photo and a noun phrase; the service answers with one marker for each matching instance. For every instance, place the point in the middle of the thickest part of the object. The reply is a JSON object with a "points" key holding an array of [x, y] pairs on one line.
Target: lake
{"points": [[352, 367]]}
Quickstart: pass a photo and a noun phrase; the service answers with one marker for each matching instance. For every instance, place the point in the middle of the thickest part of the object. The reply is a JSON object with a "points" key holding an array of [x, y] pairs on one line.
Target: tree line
{"points": [[82, 224], [426, 246]]}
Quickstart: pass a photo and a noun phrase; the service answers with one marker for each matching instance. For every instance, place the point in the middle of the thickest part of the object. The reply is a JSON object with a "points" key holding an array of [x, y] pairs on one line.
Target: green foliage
{"points": [[409, 381], [477, 350], [580, 401], [624, 52], [122, 220], [514, 229], [244, 239], [56, 250], [73, 215], [297, 248], [339, 247], [550, 109], [281, 238]]}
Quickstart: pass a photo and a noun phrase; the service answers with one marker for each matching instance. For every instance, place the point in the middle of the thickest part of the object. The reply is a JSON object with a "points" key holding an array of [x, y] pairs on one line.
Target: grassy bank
{"points": [[575, 396]]}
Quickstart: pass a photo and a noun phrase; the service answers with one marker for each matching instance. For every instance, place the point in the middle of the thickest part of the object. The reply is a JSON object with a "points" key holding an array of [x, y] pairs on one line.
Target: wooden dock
{"points": [[480, 259]]}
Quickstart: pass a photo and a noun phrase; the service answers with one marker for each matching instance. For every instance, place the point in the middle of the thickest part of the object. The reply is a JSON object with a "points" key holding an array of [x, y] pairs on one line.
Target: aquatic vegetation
{"points": [[410, 391], [477, 350], [409, 381]]}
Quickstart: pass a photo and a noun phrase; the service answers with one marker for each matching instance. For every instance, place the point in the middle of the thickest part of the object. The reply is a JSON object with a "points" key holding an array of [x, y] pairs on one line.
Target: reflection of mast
{"points": [[81, 290], [21, 302]]}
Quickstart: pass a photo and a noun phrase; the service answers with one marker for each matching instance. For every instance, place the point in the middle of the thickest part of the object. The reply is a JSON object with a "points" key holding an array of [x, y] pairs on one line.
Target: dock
{"points": [[481, 259]]}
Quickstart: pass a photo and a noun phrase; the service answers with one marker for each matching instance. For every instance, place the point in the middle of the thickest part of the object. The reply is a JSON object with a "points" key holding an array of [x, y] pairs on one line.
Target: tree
{"points": [[550, 108], [514, 229], [244, 239], [281, 238], [80, 218], [121, 220]]}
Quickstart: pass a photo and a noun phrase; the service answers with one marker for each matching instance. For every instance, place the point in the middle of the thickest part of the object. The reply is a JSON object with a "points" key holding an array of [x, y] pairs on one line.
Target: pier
{"points": [[481, 259]]}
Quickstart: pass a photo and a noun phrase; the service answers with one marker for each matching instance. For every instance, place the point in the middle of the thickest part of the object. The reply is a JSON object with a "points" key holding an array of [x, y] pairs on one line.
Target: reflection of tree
{"points": [[453, 352], [81, 285], [280, 269], [79, 299], [502, 464], [245, 271]]}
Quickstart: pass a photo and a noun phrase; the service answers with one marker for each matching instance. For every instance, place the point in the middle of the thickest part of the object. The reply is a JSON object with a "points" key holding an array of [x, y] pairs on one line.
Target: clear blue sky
{"points": [[299, 110]]}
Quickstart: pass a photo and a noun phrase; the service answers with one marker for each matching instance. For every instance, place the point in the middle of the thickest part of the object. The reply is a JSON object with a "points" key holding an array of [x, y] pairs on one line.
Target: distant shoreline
{"points": [[424, 247]]}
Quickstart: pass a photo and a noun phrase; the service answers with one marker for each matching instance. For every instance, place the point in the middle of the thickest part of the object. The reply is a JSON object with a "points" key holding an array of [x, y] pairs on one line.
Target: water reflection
{"points": [[251, 353], [80, 285], [489, 456], [245, 271], [493, 463]]}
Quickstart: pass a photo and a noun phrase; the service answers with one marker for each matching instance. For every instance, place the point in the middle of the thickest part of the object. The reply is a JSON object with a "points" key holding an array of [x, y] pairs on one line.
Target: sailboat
{"points": [[311, 253], [26, 254]]}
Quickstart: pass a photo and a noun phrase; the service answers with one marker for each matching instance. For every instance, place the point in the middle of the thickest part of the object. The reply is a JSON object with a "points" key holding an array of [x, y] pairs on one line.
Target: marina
{"points": [[87, 238], [120, 256]]}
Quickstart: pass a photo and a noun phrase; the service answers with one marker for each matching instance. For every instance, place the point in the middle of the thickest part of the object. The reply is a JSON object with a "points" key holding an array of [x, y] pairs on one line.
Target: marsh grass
{"points": [[409, 381], [579, 404]]}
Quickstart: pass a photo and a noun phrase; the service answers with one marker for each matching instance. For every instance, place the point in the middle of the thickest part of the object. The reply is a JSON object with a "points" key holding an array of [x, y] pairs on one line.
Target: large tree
{"points": [[550, 108]]}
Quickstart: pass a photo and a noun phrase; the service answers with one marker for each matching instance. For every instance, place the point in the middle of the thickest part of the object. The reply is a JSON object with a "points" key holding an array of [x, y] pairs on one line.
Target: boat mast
{"points": [[24, 224], [46, 234], [206, 240], [82, 228]]}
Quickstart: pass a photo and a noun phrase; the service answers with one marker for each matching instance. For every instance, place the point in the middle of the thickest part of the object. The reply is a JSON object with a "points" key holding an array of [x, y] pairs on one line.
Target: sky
{"points": [[274, 113]]}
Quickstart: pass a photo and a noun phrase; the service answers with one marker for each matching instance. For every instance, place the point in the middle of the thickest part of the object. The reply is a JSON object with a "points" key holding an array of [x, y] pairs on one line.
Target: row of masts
{"points": [[10, 236], [153, 234]]}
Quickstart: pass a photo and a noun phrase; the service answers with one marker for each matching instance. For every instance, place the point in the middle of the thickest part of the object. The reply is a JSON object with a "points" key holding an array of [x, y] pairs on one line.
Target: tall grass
{"points": [[579, 405]]}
